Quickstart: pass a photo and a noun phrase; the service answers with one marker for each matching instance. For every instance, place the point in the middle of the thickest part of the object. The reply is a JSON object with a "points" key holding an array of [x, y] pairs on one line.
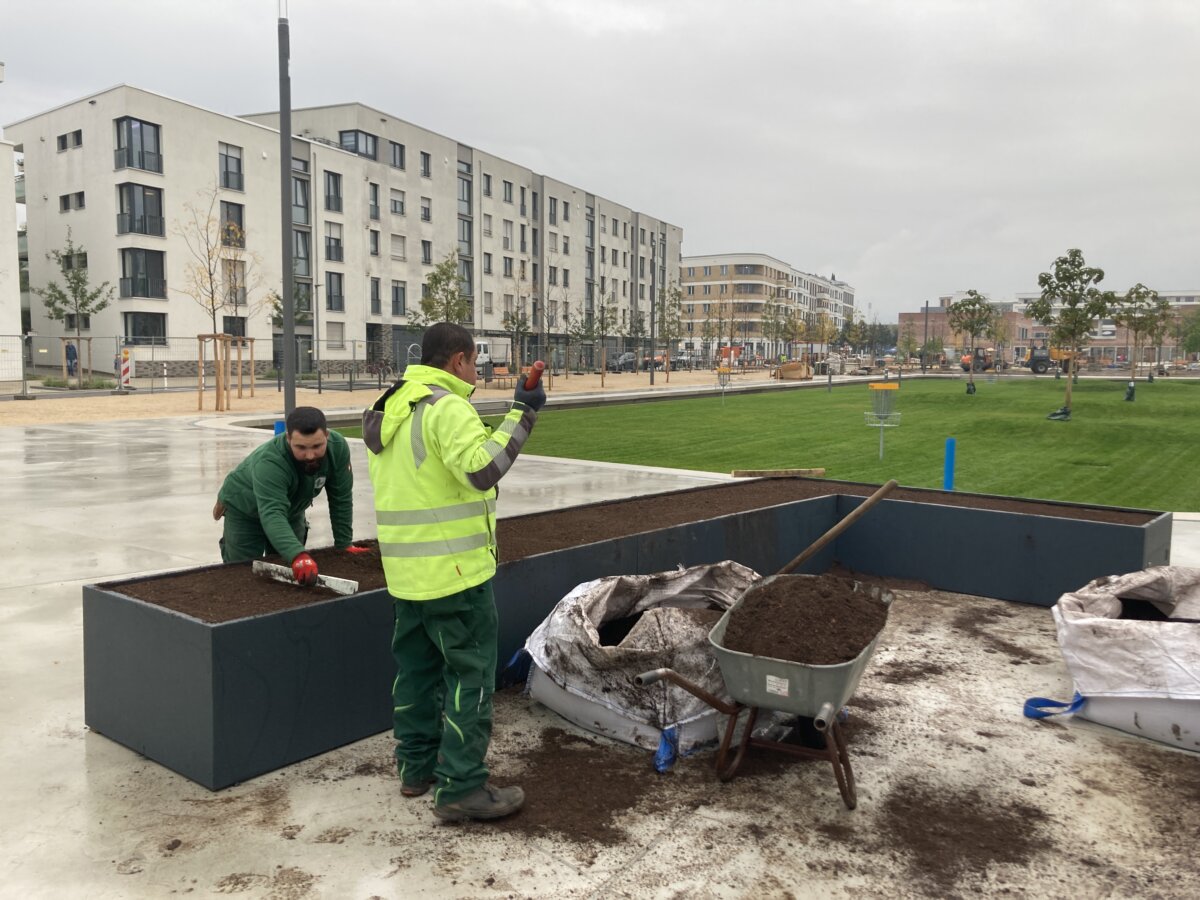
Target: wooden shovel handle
{"points": [[837, 529]]}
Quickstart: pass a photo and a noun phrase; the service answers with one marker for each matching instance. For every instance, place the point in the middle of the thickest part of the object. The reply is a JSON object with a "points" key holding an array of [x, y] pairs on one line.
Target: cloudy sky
{"points": [[913, 148]]}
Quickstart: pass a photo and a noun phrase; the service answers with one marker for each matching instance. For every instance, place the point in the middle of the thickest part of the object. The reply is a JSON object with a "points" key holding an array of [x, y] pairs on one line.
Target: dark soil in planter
{"points": [[816, 620], [219, 595]]}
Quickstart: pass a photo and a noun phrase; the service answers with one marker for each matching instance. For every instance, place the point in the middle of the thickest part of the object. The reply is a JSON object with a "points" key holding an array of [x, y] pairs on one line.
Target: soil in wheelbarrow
{"points": [[232, 592], [818, 621]]}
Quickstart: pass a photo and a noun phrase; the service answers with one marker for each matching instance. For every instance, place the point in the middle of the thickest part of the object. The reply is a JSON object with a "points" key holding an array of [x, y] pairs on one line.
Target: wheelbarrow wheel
{"points": [[835, 743], [726, 772]]}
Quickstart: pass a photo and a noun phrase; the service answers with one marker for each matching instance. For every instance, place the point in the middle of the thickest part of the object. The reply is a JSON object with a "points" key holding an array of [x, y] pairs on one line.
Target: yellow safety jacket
{"points": [[434, 466]]}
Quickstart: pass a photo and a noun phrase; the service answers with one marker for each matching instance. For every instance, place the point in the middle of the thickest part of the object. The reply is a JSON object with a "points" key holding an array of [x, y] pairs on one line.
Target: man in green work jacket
{"points": [[434, 467], [265, 498]]}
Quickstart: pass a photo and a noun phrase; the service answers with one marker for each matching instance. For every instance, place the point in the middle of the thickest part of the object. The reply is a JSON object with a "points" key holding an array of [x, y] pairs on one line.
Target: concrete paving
{"points": [[94, 502]]}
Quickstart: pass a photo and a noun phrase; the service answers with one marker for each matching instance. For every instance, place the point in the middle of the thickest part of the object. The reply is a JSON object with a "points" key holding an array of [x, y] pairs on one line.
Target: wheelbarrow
{"points": [[758, 683]]}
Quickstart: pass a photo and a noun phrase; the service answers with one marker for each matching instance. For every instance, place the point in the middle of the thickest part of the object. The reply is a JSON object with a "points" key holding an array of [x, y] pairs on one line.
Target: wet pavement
{"points": [[82, 814]]}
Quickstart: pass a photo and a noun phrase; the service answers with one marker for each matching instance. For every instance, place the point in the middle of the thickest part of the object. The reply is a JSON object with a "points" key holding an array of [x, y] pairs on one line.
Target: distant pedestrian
{"points": [[72, 358]]}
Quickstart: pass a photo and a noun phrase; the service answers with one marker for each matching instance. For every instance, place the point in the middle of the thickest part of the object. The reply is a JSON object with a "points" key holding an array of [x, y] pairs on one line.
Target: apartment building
{"points": [[1109, 342], [376, 203], [747, 300]]}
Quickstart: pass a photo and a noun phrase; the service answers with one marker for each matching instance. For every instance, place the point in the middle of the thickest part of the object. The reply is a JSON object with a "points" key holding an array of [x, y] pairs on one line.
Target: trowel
{"points": [[284, 574]]}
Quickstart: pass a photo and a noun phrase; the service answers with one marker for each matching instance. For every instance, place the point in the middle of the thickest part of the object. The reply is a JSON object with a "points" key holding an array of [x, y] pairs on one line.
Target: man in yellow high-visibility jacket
{"points": [[434, 467]]}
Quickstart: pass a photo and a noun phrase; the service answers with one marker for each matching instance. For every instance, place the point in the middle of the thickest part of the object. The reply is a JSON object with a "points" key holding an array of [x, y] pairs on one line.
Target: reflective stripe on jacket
{"points": [[434, 467]]}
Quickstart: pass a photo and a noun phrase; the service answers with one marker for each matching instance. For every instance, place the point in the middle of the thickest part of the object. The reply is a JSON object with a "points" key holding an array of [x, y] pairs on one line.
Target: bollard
{"points": [[948, 469], [280, 426], [1129, 391]]}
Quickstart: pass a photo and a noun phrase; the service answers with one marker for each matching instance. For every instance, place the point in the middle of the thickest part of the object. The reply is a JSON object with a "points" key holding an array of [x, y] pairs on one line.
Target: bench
{"points": [[501, 377]]}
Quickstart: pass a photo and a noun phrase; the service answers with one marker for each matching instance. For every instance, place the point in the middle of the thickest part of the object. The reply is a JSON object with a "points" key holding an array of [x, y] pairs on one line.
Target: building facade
{"points": [[1109, 343], [758, 303], [179, 209]]}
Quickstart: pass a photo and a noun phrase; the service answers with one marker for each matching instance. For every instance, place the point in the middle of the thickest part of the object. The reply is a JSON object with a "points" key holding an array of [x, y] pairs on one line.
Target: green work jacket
{"points": [[273, 487], [434, 467]]}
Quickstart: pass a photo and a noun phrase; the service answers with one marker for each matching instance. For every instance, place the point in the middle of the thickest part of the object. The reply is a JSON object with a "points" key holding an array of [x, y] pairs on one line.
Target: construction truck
{"points": [[1041, 359], [980, 359]]}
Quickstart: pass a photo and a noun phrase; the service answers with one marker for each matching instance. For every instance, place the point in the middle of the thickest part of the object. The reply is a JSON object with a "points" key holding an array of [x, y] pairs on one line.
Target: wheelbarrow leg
{"points": [[835, 746], [725, 773]]}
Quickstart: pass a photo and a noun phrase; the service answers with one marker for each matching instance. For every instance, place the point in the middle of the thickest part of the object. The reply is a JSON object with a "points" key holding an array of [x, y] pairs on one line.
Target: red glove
{"points": [[354, 549], [304, 568]]}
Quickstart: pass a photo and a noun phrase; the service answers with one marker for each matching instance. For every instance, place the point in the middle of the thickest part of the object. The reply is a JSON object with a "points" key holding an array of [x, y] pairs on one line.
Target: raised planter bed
{"points": [[244, 676]]}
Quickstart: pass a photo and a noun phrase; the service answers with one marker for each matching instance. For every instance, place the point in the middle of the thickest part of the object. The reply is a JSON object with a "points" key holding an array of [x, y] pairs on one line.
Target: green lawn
{"points": [[1140, 454]]}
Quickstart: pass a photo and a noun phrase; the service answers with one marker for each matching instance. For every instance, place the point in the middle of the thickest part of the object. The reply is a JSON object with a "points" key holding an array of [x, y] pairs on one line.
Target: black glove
{"points": [[534, 399]]}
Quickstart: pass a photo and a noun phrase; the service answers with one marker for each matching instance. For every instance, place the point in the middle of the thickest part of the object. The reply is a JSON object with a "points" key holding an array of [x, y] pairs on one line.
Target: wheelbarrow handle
{"points": [[656, 675], [652, 677]]}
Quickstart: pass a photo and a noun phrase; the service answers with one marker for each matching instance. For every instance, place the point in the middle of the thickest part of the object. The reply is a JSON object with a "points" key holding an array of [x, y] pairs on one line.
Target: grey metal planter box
{"points": [[221, 703]]}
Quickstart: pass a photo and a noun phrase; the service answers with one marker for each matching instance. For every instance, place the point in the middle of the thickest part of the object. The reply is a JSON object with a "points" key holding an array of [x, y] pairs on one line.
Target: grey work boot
{"points": [[488, 802]]}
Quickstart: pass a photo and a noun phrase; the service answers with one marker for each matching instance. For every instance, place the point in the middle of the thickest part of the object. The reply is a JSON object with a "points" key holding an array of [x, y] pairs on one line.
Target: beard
{"points": [[311, 468]]}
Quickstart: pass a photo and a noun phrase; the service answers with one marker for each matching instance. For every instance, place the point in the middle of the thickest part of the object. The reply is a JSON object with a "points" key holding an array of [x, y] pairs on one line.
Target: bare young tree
{"points": [[971, 316], [1138, 311], [75, 298], [220, 274]]}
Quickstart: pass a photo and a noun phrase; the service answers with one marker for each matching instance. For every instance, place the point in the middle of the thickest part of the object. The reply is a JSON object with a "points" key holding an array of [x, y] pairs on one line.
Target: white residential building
{"points": [[11, 189], [747, 299], [376, 203]]}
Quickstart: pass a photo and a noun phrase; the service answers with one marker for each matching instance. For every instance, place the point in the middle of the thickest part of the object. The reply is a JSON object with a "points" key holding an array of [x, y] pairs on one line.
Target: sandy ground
{"points": [[55, 407]]}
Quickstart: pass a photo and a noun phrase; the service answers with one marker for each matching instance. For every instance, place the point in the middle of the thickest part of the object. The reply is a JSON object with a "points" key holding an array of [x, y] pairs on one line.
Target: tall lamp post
{"points": [[653, 262], [925, 345]]}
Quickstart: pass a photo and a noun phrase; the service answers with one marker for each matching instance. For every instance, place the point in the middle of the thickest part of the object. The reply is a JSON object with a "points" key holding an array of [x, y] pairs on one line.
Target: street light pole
{"points": [[653, 246], [925, 345]]}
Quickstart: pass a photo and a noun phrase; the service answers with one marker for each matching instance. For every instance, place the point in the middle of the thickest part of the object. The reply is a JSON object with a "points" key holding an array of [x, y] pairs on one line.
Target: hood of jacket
{"points": [[385, 416]]}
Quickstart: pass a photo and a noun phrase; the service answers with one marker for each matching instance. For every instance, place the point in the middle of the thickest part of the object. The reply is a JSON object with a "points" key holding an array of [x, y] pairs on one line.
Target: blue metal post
{"points": [[948, 470]]}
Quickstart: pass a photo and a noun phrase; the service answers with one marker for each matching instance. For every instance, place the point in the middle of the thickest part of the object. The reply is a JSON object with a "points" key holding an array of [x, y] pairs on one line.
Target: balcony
{"points": [[128, 158], [127, 223], [232, 180], [144, 287], [334, 250]]}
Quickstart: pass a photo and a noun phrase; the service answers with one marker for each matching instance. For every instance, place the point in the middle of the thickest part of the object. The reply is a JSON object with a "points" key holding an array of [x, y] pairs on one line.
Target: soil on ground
{"points": [[236, 592], [816, 620]]}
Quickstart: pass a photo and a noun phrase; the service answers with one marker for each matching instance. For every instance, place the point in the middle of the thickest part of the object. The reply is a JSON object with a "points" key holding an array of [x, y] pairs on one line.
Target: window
{"points": [[299, 201], [691, 290], [487, 301], [70, 140], [333, 192], [508, 304], [335, 297], [508, 267], [508, 192], [303, 291], [138, 145], [397, 155], [235, 325], [507, 243], [487, 264], [725, 270], [333, 242], [487, 185], [691, 271], [552, 275], [614, 256], [67, 202], [642, 238], [373, 200], [566, 278], [374, 242], [566, 210], [143, 273], [300, 252], [399, 297], [566, 246], [426, 165], [464, 196], [397, 205], [229, 160], [62, 143], [466, 277], [464, 238], [376, 300], [299, 165], [335, 335], [233, 224], [233, 273], [553, 211], [427, 252], [552, 241], [77, 199], [487, 225], [552, 314], [359, 142], [426, 209], [399, 247], [145, 328], [64, 203], [85, 322]]}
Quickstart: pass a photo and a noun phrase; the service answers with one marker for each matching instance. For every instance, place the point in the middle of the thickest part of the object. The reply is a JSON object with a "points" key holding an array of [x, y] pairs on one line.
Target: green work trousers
{"points": [[244, 537], [445, 653]]}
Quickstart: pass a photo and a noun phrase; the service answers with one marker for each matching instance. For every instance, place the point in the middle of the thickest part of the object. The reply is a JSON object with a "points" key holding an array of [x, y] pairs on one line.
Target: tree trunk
{"points": [[1071, 364]]}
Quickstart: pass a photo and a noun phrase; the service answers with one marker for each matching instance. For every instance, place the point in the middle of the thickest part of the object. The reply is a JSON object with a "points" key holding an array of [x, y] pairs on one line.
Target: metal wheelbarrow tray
{"points": [[760, 682]]}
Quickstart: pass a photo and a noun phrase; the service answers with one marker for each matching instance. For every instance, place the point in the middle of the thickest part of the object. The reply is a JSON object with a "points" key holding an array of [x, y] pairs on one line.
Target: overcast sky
{"points": [[914, 147]]}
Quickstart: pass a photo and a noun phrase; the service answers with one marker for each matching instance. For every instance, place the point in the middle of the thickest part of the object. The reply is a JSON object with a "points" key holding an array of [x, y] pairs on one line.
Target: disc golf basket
{"points": [[882, 414], [723, 373]]}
